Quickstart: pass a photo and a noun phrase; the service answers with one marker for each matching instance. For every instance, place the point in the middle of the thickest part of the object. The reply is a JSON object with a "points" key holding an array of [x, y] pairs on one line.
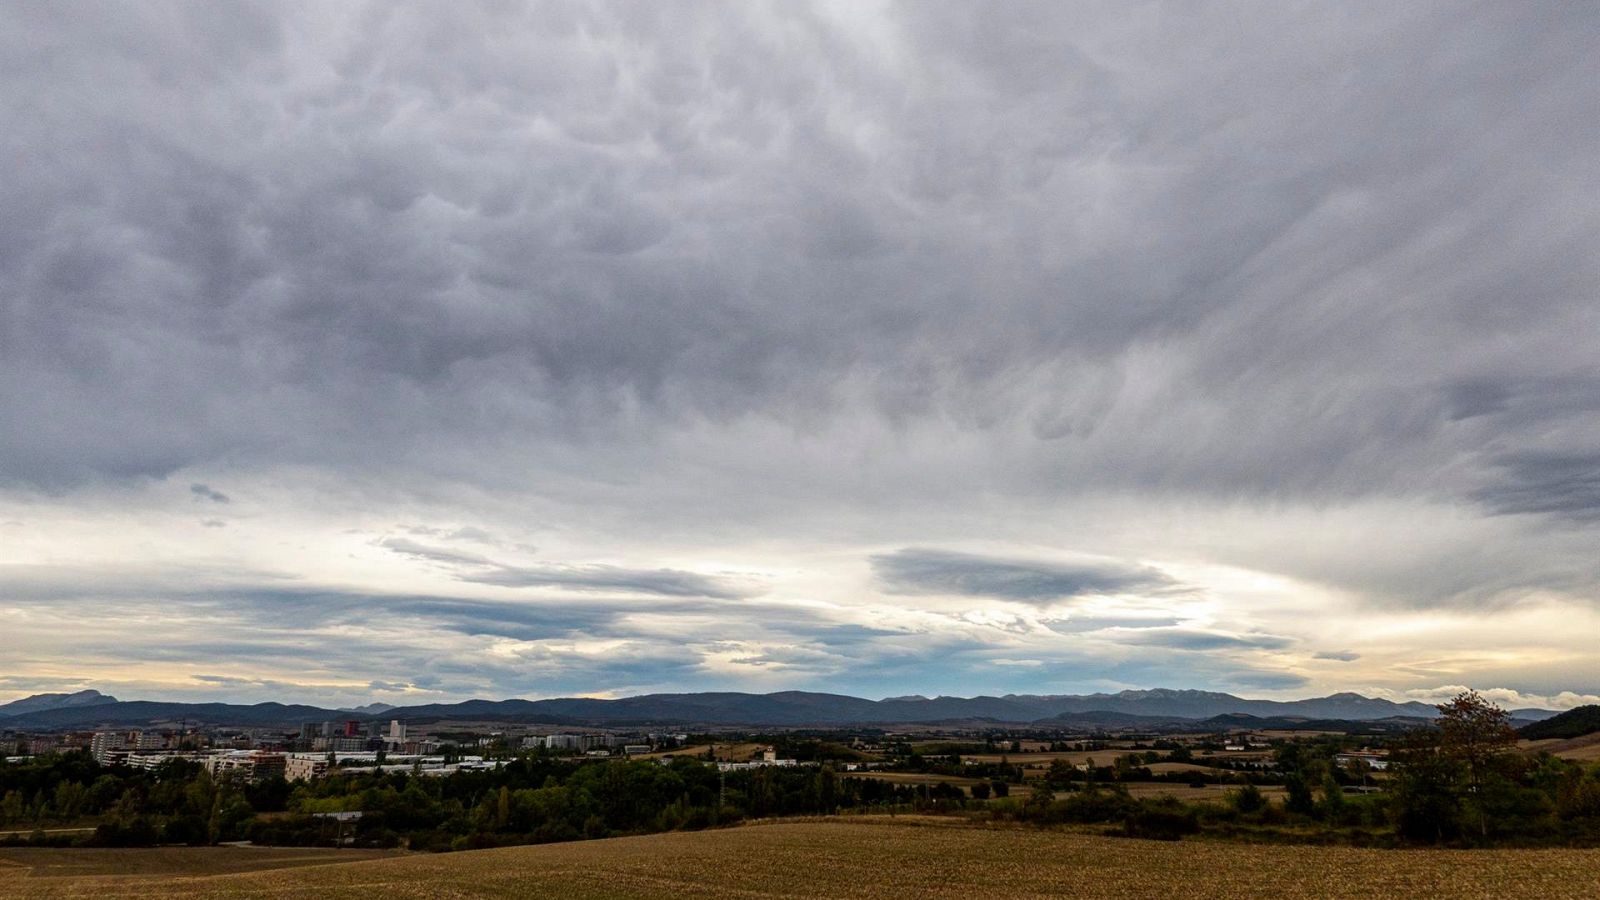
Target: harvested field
{"points": [[1076, 757], [1217, 792], [1164, 768], [1578, 749], [916, 778], [868, 858], [76, 862]]}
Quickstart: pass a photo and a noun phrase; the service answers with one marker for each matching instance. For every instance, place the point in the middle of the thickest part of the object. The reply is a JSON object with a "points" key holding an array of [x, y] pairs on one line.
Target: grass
{"points": [[874, 857]]}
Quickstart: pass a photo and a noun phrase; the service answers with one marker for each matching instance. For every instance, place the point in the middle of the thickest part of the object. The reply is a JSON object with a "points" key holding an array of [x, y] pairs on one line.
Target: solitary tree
{"points": [[1426, 800], [1478, 735]]}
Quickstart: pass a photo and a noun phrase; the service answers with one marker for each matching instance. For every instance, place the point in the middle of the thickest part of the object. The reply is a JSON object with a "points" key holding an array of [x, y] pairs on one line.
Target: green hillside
{"points": [[1573, 723]]}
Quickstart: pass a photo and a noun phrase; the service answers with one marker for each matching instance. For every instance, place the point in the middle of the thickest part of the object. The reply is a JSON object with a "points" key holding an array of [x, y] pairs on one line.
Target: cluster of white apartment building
{"points": [[106, 745]]}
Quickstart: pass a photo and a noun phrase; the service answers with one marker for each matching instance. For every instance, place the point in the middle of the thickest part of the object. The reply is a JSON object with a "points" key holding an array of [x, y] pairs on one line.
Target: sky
{"points": [[414, 352]]}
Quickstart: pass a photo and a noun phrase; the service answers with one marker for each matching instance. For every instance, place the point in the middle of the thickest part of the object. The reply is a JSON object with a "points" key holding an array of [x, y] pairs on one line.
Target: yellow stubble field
{"points": [[878, 857]]}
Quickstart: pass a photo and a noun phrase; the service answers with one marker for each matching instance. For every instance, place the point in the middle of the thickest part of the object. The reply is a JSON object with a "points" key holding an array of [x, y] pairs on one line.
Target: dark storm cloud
{"points": [[922, 571], [1264, 680], [407, 547], [207, 493], [666, 582], [479, 569], [1337, 655], [1566, 485]]}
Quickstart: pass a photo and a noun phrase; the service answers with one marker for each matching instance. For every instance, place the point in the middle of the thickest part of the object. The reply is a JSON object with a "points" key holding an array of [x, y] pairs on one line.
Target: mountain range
{"points": [[42, 702], [723, 709]]}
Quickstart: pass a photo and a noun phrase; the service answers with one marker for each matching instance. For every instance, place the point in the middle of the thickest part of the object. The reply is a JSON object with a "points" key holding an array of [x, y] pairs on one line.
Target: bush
{"points": [[1161, 822], [432, 841], [1247, 799], [1580, 801], [136, 832], [1084, 807], [189, 830]]}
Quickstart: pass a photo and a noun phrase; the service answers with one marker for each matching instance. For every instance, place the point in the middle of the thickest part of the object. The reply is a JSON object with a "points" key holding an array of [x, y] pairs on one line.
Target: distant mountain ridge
{"points": [[783, 708], [41, 702]]}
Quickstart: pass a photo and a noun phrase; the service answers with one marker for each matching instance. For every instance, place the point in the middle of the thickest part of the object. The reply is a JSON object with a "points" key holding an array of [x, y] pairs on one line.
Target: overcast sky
{"points": [[424, 351]]}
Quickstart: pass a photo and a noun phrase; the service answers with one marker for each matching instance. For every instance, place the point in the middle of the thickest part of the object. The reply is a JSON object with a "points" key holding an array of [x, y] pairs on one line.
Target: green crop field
{"points": [[861, 858]]}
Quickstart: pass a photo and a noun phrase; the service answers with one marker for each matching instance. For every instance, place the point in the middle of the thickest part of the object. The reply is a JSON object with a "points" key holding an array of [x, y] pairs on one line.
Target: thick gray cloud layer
{"points": [[921, 571], [1220, 250], [749, 273], [473, 567]]}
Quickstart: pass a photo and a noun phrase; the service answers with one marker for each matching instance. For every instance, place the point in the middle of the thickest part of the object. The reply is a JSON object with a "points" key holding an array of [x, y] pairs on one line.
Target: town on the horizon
{"points": [[269, 738]]}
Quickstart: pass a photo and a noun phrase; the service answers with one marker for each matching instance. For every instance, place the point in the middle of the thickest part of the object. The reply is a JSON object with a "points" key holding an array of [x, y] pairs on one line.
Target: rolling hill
{"points": [[1575, 722]]}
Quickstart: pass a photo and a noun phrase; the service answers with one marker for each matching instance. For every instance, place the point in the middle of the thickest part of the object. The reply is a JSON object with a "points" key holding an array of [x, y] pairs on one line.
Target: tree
{"points": [[1247, 799], [827, 787], [1332, 796], [1297, 794], [13, 808], [1425, 804], [69, 800], [1041, 796], [1478, 735], [1356, 767], [1122, 766], [1061, 773]]}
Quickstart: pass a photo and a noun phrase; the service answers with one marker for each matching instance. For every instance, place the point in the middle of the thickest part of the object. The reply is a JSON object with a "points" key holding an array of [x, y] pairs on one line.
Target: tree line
{"points": [[529, 800]]}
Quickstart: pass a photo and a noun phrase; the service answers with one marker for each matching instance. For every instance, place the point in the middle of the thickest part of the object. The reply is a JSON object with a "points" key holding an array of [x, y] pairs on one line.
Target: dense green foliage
{"points": [[1460, 783], [529, 800], [177, 803]]}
